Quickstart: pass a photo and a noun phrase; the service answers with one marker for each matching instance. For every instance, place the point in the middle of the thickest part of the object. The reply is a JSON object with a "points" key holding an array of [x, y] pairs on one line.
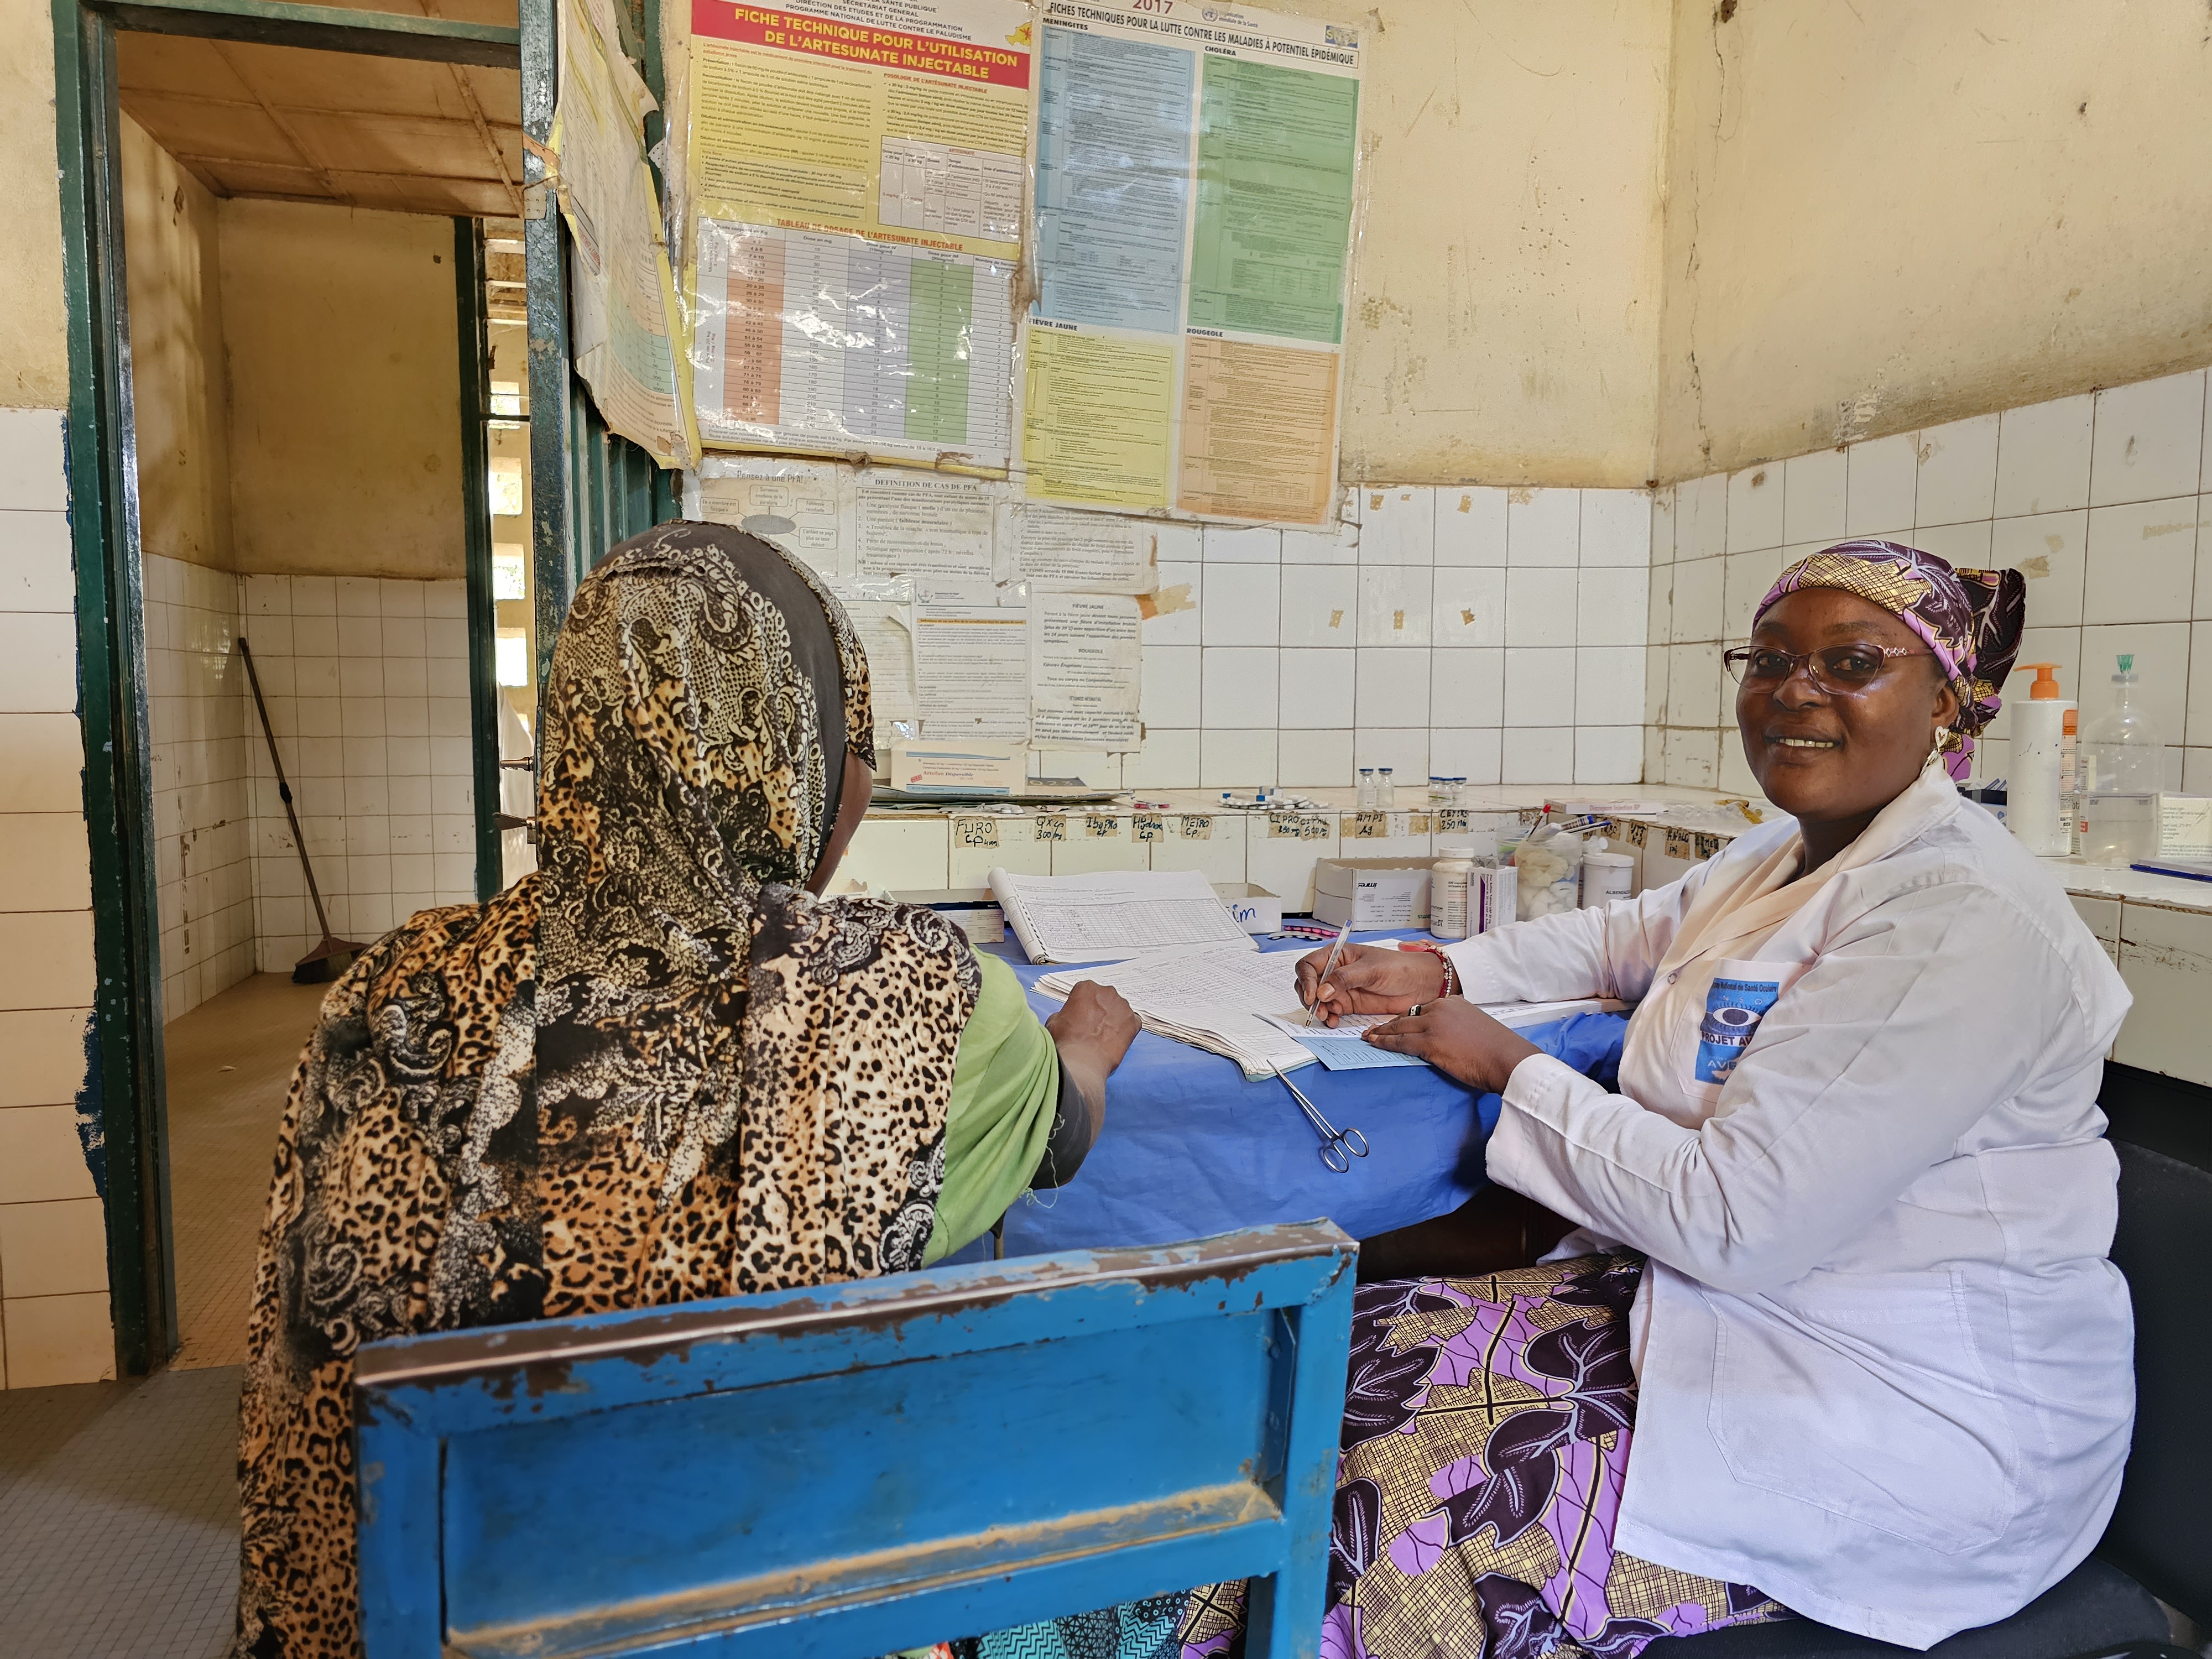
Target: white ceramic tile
{"points": [[1318, 689], [1608, 754], [1470, 525], [1879, 492], [402, 598], [1167, 694], [1540, 686], [2048, 549], [42, 1157], [1175, 606], [2200, 604], [2196, 771], [45, 1056], [1538, 755], [1664, 517], [1735, 774], [1957, 476], [1692, 758], [1475, 753], [1540, 606], [1701, 518], [1613, 606], [1747, 580], [1405, 750], [57, 1247], [1315, 760], [1176, 544], [1236, 760], [1813, 496], [1467, 688], [1469, 607], [36, 571], [360, 596], [404, 637], [2141, 562], [1697, 608], [446, 636], [1659, 625], [1616, 528], [32, 474], [1243, 604], [1227, 545], [2149, 440], [314, 596], [444, 679], [1338, 544], [44, 862], [1239, 687], [2059, 647], [1960, 544], [1394, 603], [2042, 456], [46, 762], [1654, 755], [1698, 690], [1321, 605], [1658, 660], [1609, 686], [1542, 527], [1754, 508], [1169, 760], [2197, 731], [1397, 525], [56, 1340], [1393, 688], [2161, 655], [38, 663]]}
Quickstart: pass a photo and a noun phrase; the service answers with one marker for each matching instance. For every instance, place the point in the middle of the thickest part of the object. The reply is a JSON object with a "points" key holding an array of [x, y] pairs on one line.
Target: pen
{"points": [[1327, 968]]}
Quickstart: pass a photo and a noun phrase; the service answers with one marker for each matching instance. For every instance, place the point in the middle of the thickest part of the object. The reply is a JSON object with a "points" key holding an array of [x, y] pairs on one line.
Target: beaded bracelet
{"points": [[1451, 974]]}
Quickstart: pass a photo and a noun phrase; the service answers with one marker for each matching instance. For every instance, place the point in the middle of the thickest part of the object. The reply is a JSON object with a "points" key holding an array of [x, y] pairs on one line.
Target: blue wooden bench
{"points": [[857, 1469]]}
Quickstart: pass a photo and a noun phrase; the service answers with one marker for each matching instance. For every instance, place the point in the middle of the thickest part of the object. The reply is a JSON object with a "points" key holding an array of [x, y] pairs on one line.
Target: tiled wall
{"points": [[1489, 633], [201, 725], [54, 1251], [2096, 497], [367, 682]]}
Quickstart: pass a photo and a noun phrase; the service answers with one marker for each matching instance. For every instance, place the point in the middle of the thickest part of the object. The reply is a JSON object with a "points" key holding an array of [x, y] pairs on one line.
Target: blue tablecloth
{"points": [[1191, 1148]]}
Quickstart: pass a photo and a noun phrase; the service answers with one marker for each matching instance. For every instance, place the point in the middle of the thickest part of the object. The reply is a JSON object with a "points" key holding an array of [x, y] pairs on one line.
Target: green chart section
{"points": [[1275, 149], [943, 298]]}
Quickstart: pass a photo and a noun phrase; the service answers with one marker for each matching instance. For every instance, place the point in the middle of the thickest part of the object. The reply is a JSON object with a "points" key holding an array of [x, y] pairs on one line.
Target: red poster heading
{"points": [[860, 43]]}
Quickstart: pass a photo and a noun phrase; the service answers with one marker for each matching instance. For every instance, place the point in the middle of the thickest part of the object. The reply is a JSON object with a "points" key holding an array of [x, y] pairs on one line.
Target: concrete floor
{"points": [[119, 1501], [230, 1064]]}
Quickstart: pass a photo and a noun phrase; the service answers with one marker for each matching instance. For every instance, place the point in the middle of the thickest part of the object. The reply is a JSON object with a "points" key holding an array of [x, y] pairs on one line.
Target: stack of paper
{"points": [[1117, 913], [1218, 1000]]}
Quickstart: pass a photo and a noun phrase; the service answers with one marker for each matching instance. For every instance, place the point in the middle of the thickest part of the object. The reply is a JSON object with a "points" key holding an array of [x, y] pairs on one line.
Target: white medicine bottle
{"points": [[1450, 876]]}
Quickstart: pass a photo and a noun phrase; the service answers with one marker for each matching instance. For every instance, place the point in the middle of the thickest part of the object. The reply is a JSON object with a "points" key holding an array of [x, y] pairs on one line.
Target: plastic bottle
{"points": [[1605, 877], [2070, 778], [2123, 765], [1386, 792], [2034, 810], [1449, 877], [1365, 801]]}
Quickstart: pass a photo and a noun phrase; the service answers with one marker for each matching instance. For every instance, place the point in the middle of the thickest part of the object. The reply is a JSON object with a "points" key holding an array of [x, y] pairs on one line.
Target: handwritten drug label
{"points": [[1052, 826], [976, 832]]}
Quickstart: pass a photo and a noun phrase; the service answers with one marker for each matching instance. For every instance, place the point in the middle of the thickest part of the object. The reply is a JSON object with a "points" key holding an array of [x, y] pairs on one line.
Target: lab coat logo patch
{"points": [[1734, 1008]]}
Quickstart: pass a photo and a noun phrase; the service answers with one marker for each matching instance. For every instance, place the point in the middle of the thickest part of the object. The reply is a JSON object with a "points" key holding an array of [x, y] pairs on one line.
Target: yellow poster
{"points": [[902, 122], [1097, 418]]}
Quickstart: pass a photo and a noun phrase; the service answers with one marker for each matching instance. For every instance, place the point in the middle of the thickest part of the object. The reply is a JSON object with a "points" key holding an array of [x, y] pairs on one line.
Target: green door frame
{"points": [[125, 1085]]}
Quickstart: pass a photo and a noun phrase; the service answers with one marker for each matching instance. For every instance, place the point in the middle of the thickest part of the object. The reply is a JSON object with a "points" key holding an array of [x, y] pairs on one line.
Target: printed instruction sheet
{"points": [[1195, 197]]}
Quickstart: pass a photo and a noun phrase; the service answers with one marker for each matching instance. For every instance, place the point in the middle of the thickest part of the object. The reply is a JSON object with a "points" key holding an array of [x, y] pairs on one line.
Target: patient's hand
{"points": [[1094, 1029], [1370, 980]]}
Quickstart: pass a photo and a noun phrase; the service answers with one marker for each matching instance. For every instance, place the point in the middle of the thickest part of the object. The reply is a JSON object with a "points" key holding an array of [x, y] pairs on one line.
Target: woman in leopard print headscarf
{"points": [[657, 1070]]}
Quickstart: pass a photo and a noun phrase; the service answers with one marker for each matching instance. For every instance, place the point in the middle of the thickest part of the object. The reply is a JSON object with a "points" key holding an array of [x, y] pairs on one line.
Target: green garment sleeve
{"points": [[1005, 1088]]}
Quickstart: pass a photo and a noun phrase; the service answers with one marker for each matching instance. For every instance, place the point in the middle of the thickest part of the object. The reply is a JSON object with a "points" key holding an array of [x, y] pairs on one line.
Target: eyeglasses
{"points": [[1839, 670]]}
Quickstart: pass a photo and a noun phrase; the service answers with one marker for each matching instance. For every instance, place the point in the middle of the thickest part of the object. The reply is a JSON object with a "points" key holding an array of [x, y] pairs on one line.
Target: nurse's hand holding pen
{"points": [[1451, 1033]]}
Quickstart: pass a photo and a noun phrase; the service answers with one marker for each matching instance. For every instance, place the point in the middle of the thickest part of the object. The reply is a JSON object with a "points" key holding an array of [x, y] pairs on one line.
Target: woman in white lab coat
{"points": [[1841, 1275]]}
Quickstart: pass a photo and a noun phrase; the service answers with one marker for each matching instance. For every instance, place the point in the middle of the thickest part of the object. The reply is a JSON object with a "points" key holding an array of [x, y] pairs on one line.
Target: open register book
{"points": [[1245, 1005], [1115, 914]]}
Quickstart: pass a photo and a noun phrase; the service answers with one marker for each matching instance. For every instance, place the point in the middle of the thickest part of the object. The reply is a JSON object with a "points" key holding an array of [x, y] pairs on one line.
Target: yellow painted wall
{"points": [[1504, 325], [345, 439], [33, 347], [174, 273], [1887, 213]]}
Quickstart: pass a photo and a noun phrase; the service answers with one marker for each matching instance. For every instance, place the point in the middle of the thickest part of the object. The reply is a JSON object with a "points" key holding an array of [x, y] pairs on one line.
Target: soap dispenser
{"points": [[2034, 810]]}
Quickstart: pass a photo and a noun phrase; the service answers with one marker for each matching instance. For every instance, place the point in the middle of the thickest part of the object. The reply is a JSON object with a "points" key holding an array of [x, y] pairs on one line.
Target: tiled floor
{"points": [[119, 1518], [230, 1063]]}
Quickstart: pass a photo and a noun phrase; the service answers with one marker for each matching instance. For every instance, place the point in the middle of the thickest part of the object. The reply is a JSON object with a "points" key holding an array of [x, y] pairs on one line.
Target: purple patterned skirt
{"points": [[1486, 1431]]}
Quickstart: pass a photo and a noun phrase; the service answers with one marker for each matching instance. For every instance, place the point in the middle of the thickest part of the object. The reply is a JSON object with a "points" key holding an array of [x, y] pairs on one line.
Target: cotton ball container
{"points": [[1549, 880]]}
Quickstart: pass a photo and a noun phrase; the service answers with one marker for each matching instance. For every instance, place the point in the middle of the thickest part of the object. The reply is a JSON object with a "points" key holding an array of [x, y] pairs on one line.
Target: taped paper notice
{"points": [[1196, 189], [1077, 552], [1085, 654], [881, 614], [971, 672], [935, 528], [624, 320], [804, 508]]}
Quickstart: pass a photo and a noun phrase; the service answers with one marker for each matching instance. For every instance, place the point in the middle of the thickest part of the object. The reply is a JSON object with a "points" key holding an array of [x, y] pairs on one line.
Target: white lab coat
{"points": [[1886, 1367]]}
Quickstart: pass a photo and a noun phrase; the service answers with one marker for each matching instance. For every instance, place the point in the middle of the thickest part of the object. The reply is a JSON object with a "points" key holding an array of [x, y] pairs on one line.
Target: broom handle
{"points": [[283, 789]]}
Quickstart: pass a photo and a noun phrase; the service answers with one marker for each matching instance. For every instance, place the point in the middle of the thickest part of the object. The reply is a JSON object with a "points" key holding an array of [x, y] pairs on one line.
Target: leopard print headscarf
{"points": [[657, 1070]]}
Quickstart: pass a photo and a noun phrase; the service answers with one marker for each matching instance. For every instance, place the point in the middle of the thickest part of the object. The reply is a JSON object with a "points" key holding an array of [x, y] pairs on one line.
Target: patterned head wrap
{"points": [[657, 1070], [1971, 619]]}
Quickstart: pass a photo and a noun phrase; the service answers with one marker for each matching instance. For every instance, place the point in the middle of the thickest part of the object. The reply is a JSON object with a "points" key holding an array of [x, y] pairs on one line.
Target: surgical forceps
{"points": [[1338, 1147]]}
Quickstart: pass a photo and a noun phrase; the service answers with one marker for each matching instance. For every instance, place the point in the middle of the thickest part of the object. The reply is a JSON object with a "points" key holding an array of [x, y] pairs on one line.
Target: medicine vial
{"points": [[1365, 801], [1386, 792]]}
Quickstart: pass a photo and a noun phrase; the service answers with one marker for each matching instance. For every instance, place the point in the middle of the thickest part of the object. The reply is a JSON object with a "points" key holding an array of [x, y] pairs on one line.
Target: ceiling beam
{"points": [[323, 28]]}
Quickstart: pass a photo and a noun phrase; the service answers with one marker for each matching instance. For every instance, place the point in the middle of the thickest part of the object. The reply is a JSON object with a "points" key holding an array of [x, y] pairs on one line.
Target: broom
{"points": [[332, 956]]}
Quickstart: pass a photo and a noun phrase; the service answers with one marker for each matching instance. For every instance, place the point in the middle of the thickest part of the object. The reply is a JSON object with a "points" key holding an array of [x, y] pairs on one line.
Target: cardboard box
{"points": [[1371, 892], [1257, 909], [967, 768]]}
